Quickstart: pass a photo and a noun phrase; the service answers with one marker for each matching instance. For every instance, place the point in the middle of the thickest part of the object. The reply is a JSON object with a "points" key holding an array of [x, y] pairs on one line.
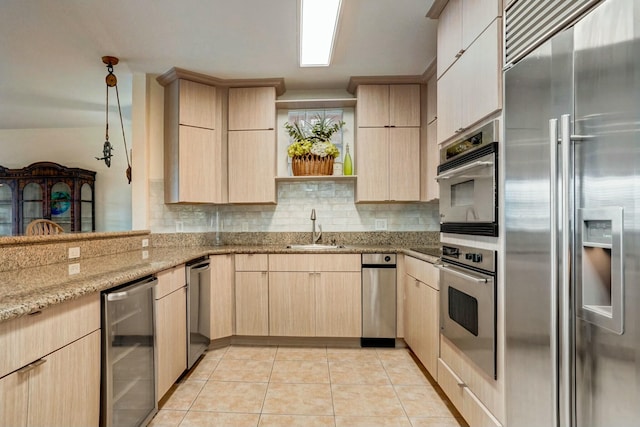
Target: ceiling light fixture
{"points": [[107, 148], [318, 28]]}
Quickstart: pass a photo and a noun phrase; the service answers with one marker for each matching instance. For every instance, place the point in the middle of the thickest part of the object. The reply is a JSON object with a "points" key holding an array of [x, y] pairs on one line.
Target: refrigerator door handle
{"points": [[553, 252], [566, 371]]}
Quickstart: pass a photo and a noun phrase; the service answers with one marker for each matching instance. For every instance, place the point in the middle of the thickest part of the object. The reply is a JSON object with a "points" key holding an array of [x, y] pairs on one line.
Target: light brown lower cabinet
{"points": [[465, 401], [421, 327], [171, 338], [292, 304], [221, 296], [59, 389], [339, 304], [421, 312], [315, 295], [252, 303]]}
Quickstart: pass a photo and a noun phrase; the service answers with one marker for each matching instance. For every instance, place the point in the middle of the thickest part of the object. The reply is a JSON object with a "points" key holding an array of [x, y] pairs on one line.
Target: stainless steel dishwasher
{"points": [[378, 300], [198, 274]]}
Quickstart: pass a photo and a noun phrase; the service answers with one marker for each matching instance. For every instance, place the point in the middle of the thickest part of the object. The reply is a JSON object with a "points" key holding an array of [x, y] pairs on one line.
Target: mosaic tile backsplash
{"points": [[333, 201]]}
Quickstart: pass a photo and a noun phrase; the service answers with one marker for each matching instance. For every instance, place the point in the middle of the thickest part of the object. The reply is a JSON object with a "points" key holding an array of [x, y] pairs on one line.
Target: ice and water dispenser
{"points": [[600, 279]]}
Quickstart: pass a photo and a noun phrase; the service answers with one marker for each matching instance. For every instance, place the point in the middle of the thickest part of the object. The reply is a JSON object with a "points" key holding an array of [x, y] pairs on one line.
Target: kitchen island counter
{"points": [[27, 290]]}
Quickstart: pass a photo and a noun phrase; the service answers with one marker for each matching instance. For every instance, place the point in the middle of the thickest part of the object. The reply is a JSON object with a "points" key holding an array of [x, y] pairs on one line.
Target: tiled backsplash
{"points": [[332, 200]]}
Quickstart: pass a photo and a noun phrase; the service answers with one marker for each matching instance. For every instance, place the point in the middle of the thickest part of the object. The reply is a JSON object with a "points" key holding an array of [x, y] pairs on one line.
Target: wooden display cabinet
{"points": [[47, 190]]}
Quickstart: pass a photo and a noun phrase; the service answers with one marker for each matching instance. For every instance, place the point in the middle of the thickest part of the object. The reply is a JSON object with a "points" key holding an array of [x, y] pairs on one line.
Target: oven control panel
{"points": [[483, 259]]}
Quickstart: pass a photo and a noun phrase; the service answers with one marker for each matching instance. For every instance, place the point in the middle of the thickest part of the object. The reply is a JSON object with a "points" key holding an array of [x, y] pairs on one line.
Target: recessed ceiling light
{"points": [[318, 26]]}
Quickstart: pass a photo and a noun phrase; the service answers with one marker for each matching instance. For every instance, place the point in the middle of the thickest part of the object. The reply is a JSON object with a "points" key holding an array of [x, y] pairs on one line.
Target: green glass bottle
{"points": [[347, 167]]}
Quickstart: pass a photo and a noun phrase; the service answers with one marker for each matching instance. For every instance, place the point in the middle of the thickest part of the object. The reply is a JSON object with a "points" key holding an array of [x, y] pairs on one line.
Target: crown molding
{"points": [[180, 73], [355, 81]]}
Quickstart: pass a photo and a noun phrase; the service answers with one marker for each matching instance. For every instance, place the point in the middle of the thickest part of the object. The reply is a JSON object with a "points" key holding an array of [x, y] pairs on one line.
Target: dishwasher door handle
{"points": [[134, 288]]}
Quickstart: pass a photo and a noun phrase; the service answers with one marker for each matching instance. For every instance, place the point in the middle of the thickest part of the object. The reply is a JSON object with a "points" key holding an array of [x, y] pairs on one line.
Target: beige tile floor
{"points": [[294, 386]]}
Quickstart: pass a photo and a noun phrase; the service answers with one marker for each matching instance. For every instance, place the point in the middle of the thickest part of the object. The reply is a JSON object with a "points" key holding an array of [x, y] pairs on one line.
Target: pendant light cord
{"points": [[126, 150]]}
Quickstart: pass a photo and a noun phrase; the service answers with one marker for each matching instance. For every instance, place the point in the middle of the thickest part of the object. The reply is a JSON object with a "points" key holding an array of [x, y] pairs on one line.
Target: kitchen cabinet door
{"points": [[449, 35], [14, 400], [449, 103], [252, 108], [431, 159], [252, 166], [338, 304], [477, 15], [222, 300], [404, 164], [252, 303], [481, 78], [372, 164], [171, 336], [196, 104], [432, 97], [373, 106], [404, 105], [65, 390], [475, 413], [292, 304]]}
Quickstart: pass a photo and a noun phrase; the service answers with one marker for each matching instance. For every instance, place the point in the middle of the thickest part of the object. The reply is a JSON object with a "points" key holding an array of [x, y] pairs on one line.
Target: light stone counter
{"points": [[25, 290]]}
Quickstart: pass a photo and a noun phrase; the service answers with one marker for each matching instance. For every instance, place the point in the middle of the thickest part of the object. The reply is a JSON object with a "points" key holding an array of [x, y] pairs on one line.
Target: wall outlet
{"points": [[74, 268], [145, 254], [179, 226], [381, 224], [145, 243], [74, 252]]}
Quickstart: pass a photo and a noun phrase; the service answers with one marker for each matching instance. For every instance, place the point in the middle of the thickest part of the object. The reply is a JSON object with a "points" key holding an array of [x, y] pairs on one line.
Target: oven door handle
{"points": [[453, 172], [459, 273]]}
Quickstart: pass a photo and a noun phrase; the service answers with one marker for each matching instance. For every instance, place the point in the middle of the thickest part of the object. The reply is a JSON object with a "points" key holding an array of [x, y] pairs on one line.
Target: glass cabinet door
{"points": [[31, 204], [86, 208], [60, 205], [6, 210]]}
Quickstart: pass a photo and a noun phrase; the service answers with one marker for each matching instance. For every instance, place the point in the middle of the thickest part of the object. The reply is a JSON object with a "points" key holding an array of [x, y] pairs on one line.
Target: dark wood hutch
{"points": [[47, 190]]}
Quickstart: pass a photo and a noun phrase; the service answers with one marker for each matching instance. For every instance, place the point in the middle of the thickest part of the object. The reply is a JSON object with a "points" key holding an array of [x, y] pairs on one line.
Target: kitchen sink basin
{"points": [[314, 247]]}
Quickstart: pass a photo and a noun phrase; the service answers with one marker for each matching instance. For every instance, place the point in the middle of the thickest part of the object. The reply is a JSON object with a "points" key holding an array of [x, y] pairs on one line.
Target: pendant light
{"points": [[107, 148]]}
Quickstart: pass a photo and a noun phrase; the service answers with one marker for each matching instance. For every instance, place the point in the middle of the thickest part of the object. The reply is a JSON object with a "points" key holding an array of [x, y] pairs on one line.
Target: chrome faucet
{"points": [[315, 237]]}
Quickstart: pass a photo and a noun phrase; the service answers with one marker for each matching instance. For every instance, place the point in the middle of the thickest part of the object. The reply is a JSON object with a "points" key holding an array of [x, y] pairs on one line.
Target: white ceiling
{"points": [[51, 73]]}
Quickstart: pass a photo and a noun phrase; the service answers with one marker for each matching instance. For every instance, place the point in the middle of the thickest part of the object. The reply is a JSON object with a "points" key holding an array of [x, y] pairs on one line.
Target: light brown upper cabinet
{"points": [[388, 143], [252, 145], [252, 108], [388, 105], [196, 104], [472, 88], [252, 166], [194, 156], [460, 23]]}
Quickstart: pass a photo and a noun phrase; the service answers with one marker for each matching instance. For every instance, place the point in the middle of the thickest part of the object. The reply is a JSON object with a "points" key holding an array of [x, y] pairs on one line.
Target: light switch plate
{"points": [[74, 252], [381, 224]]}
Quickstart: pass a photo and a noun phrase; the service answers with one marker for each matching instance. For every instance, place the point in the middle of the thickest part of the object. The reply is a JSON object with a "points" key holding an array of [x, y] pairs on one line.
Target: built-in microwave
{"points": [[468, 181]]}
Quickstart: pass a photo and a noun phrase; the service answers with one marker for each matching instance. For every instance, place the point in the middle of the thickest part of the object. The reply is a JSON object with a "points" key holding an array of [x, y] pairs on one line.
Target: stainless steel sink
{"points": [[314, 247]]}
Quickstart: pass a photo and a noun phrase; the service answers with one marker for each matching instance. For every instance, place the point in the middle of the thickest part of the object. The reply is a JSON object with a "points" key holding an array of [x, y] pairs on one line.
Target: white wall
{"points": [[78, 148]]}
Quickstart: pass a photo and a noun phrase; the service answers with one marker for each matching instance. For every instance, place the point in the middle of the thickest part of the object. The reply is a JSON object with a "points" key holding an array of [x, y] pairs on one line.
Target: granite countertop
{"points": [[27, 290]]}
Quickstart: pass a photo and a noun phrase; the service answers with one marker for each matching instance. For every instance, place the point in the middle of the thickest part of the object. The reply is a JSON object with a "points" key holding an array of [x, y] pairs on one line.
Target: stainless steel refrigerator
{"points": [[572, 223]]}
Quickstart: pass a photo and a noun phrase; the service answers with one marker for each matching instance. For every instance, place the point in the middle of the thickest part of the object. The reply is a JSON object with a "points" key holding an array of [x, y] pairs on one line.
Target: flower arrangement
{"points": [[313, 137]]}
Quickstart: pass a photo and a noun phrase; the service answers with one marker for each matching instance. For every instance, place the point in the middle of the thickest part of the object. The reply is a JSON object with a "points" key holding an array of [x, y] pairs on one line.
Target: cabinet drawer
{"points": [[451, 384], [252, 262], [28, 338], [422, 270], [170, 280], [475, 413], [333, 262], [295, 262]]}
